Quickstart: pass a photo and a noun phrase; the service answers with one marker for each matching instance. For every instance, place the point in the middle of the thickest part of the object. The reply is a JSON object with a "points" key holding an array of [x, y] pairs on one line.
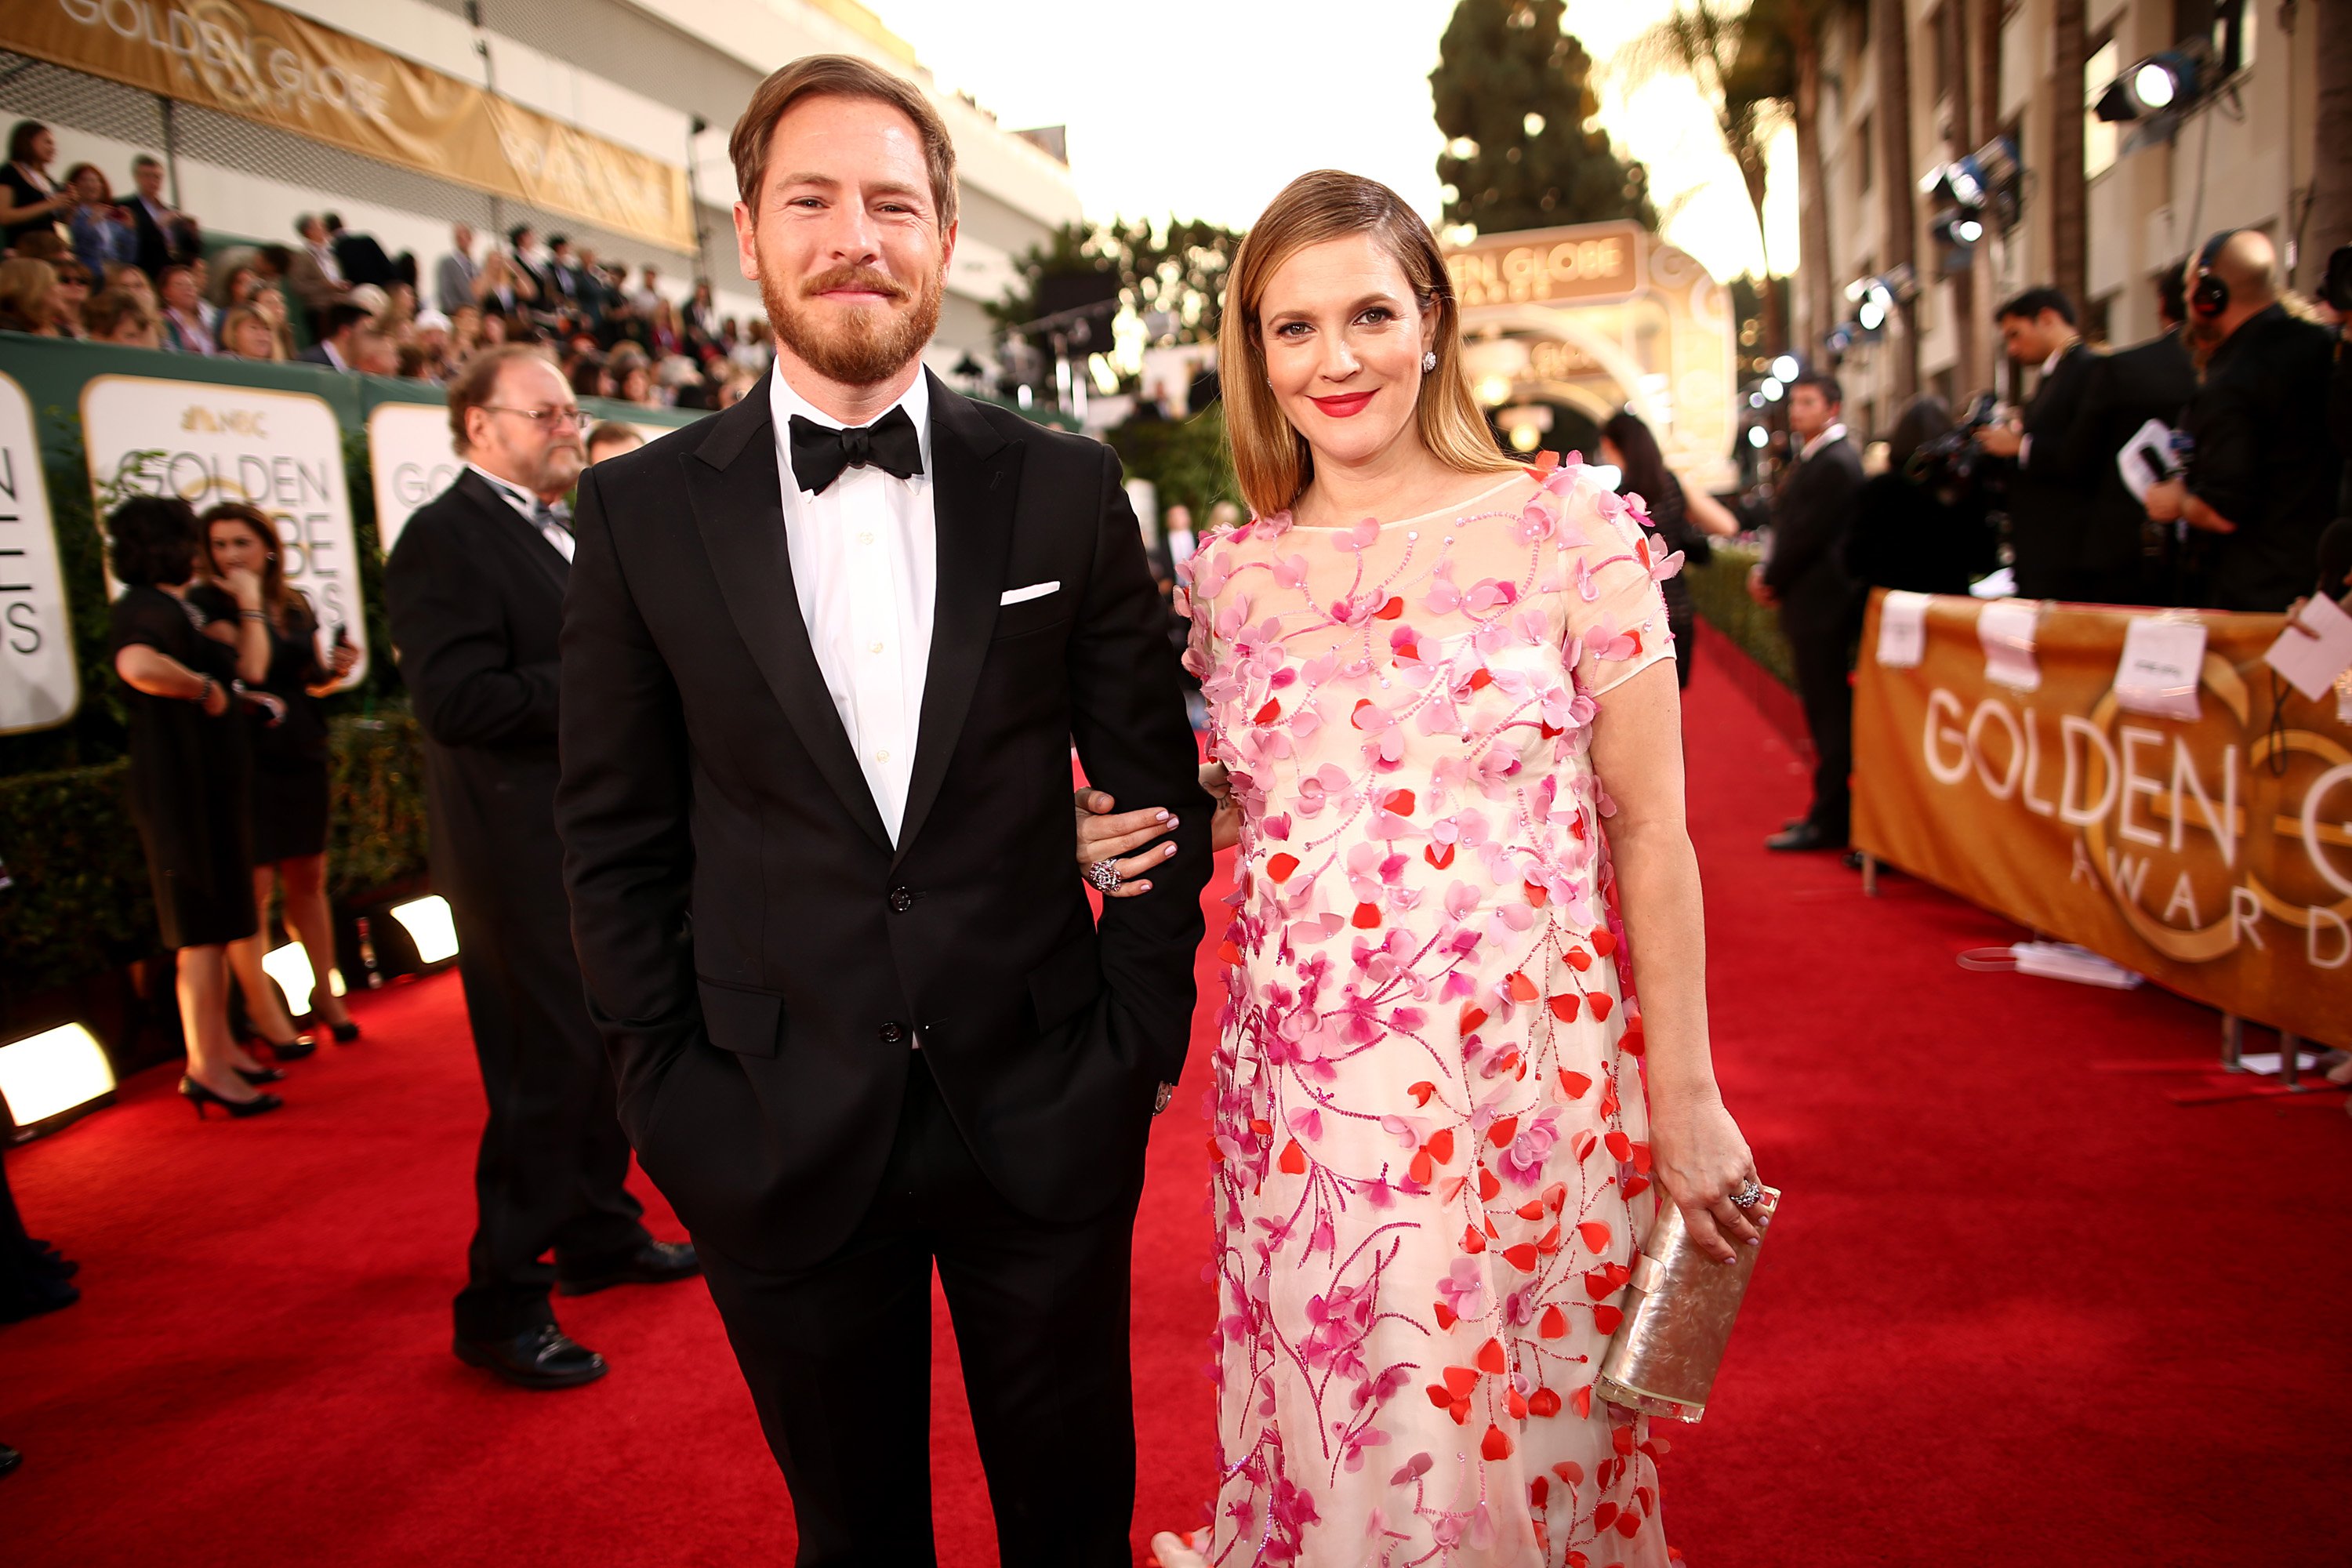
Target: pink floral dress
{"points": [[1429, 1164]]}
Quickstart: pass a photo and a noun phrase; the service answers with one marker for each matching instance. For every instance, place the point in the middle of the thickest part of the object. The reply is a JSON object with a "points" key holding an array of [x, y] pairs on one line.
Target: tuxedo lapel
{"points": [[738, 500], [977, 478], [511, 525]]}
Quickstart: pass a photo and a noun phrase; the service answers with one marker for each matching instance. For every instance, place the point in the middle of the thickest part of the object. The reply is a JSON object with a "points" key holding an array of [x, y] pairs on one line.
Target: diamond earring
{"points": [[1429, 362]]}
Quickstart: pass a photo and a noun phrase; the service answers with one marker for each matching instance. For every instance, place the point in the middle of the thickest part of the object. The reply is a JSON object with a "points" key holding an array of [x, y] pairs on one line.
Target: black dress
{"points": [[22, 192], [1670, 518], [289, 758], [190, 775]]}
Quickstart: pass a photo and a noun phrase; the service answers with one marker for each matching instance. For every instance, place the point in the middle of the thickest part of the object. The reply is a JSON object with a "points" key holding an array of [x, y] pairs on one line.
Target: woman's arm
{"points": [[1696, 1149], [47, 206], [158, 674], [1103, 837], [1707, 514]]}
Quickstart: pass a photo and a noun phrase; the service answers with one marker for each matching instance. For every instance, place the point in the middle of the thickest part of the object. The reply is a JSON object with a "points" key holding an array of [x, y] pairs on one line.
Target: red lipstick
{"points": [[1345, 407]]}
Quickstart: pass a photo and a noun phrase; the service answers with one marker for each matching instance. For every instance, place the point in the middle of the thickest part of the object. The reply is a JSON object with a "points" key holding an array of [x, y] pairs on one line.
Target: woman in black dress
{"points": [[248, 584], [189, 777], [30, 202], [1627, 446]]}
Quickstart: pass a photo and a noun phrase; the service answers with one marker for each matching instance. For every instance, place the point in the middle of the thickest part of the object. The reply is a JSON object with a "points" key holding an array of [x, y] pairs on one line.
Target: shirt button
{"points": [[902, 900], [881, 756], [866, 539], [894, 1034], [874, 648]]}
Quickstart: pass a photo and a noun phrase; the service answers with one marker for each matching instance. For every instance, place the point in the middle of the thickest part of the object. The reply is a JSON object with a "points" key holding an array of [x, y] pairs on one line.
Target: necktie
{"points": [[554, 522], [820, 453]]}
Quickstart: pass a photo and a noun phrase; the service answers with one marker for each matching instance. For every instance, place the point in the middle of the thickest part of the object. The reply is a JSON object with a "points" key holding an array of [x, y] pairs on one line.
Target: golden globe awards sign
{"points": [[206, 443], [40, 686], [413, 461]]}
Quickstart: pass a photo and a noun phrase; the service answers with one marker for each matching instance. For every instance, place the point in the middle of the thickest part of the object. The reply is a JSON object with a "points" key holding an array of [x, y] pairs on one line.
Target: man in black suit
{"points": [[2051, 484], [167, 237], [2122, 560], [340, 330], [824, 657], [2262, 473], [1802, 573], [360, 255], [475, 589]]}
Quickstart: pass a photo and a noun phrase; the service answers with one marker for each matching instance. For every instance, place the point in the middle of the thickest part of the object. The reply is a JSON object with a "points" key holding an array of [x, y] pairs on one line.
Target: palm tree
{"points": [[1707, 42]]}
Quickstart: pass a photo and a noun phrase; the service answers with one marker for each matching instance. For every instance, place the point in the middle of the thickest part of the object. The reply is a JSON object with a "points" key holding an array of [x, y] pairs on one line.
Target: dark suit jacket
{"points": [[2154, 380], [476, 600], [2050, 483], [1812, 513], [362, 260], [2263, 460], [760, 956], [160, 246]]}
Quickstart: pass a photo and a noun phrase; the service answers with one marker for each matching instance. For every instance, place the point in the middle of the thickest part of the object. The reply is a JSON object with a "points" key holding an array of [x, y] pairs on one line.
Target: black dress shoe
{"points": [[654, 1263], [1805, 836], [536, 1358]]}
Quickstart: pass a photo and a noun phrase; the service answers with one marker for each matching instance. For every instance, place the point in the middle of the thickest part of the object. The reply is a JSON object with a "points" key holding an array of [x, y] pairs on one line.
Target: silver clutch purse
{"points": [[1679, 1307]]}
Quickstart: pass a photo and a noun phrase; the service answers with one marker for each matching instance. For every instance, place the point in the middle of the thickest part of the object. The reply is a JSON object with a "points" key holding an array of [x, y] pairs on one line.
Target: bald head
{"points": [[2248, 263]]}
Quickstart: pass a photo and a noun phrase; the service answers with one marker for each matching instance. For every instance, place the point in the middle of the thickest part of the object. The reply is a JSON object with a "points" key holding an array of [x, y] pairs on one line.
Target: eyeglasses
{"points": [[546, 418]]}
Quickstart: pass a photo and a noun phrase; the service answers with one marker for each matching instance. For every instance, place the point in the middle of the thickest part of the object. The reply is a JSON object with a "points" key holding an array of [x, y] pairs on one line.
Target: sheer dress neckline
{"points": [[1455, 508]]}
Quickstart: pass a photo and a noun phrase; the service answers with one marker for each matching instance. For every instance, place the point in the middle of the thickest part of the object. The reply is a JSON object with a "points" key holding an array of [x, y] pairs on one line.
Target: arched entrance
{"points": [[1579, 321]]}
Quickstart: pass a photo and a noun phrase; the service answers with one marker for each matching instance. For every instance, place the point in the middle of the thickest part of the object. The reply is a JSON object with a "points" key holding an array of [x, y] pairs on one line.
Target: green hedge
{"points": [[1719, 594], [1185, 460]]}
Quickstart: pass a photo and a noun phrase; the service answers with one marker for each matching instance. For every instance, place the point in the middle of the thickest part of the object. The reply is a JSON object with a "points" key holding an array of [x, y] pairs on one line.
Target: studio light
{"points": [[1524, 437], [1786, 369], [52, 1074], [1772, 389], [1870, 315], [1968, 231], [1756, 435], [430, 926], [1755, 400], [290, 967], [2164, 83]]}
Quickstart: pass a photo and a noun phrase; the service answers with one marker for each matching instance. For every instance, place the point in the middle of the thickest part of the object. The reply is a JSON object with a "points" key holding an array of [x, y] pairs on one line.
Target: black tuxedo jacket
{"points": [[362, 260], [760, 956], [1812, 512], [475, 597], [2154, 380], [160, 247], [2050, 483]]}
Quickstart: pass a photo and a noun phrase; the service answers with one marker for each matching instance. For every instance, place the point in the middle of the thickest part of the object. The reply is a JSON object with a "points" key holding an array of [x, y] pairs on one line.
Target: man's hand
{"points": [[2001, 440], [1760, 590]]}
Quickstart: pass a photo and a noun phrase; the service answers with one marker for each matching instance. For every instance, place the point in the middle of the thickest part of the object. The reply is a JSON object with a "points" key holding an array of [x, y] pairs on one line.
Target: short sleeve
{"points": [[145, 619], [1613, 603]]}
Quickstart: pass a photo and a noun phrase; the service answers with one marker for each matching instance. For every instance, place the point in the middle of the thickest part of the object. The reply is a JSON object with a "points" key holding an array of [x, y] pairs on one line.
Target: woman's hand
{"points": [[214, 699], [244, 585], [1701, 1161], [1103, 837], [343, 659]]}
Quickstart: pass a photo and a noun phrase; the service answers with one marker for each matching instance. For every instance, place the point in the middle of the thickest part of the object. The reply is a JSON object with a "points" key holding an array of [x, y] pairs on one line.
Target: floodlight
{"points": [[1786, 369], [430, 926], [2162, 84], [290, 967], [1755, 400], [2155, 85], [1756, 435], [1772, 389], [53, 1073]]}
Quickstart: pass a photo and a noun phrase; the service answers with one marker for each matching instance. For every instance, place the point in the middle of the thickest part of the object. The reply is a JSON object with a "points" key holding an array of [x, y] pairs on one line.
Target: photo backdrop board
{"points": [[206, 442], [410, 460], [39, 686], [2212, 854]]}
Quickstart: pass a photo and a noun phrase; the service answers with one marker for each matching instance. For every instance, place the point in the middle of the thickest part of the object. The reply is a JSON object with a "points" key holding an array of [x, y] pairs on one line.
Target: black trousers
{"points": [[838, 1359], [553, 1158], [1819, 654]]}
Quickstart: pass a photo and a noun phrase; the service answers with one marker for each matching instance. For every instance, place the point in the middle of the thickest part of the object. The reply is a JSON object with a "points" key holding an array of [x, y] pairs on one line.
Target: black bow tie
{"points": [[821, 452]]}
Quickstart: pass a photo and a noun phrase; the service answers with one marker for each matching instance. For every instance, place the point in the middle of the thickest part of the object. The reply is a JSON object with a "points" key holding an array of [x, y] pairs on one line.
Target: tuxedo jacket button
{"points": [[894, 1034], [901, 899]]}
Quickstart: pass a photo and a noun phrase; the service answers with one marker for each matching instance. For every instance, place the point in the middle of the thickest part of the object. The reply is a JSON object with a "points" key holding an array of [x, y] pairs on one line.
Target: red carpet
{"points": [[2018, 1311]]}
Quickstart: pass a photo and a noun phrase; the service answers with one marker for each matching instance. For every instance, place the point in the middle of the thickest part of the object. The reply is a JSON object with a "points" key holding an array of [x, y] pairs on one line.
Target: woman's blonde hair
{"points": [[1271, 458]]}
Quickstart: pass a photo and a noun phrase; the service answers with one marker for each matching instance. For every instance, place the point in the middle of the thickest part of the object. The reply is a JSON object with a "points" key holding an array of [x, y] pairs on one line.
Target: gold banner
{"points": [[249, 59], [2212, 855]]}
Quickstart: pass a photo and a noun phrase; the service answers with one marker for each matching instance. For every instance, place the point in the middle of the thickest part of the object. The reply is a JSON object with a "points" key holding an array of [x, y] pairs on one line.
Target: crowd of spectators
{"points": [[81, 264]]}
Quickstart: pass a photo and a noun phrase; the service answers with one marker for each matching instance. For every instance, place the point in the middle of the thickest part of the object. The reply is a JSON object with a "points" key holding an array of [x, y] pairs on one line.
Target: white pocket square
{"points": [[1034, 591]]}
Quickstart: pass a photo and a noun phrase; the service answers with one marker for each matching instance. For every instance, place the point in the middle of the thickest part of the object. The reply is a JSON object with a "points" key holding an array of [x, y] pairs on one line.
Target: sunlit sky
{"points": [[1206, 109]]}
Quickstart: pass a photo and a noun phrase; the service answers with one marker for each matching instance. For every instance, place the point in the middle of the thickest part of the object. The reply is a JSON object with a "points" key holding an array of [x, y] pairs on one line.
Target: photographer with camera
{"points": [[1921, 525], [2126, 559], [2050, 488], [2262, 474]]}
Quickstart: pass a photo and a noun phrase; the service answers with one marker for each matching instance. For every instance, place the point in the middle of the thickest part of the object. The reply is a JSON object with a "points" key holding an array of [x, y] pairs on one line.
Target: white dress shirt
{"points": [[548, 521], [865, 555], [1834, 433]]}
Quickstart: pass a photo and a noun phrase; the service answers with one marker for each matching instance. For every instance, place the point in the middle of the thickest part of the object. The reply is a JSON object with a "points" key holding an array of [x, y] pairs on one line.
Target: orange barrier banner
{"points": [[248, 57], [2212, 854]]}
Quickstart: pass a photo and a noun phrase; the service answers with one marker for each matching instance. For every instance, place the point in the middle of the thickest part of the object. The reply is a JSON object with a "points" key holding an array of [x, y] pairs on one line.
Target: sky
{"points": [[1205, 109]]}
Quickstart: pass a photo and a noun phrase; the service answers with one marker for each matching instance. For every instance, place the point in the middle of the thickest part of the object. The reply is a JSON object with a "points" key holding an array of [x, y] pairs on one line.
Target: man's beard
{"points": [[867, 345]]}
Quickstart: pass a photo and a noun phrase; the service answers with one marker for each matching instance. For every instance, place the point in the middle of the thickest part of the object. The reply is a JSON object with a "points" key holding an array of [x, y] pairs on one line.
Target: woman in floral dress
{"points": [[1436, 686]]}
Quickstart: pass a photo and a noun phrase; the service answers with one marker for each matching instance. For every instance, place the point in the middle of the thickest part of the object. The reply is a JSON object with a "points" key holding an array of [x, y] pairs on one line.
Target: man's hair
{"points": [[2027, 306], [104, 312], [1823, 383], [334, 224], [474, 385], [302, 222], [145, 161], [609, 431], [514, 235], [839, 76], [152, 539], [341, 319]]}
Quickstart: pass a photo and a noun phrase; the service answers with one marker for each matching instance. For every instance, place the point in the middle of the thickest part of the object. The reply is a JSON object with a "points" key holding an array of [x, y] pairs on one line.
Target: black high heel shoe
{"points": [[345, 1032], [293, 1051], [197, 1095], [259, 1076]]}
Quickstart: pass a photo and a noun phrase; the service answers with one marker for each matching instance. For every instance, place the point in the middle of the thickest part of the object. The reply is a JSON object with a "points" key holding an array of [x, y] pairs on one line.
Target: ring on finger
{"points": [[1104, 874], [1749, 1196]]}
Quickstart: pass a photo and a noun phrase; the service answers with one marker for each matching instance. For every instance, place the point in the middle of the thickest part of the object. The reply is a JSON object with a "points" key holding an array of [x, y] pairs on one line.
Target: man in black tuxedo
{"points": [[360, 255], [167, 237], [824, 657], [475, 589], [2130, 386], [2051, 482], [1802, 573]]}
